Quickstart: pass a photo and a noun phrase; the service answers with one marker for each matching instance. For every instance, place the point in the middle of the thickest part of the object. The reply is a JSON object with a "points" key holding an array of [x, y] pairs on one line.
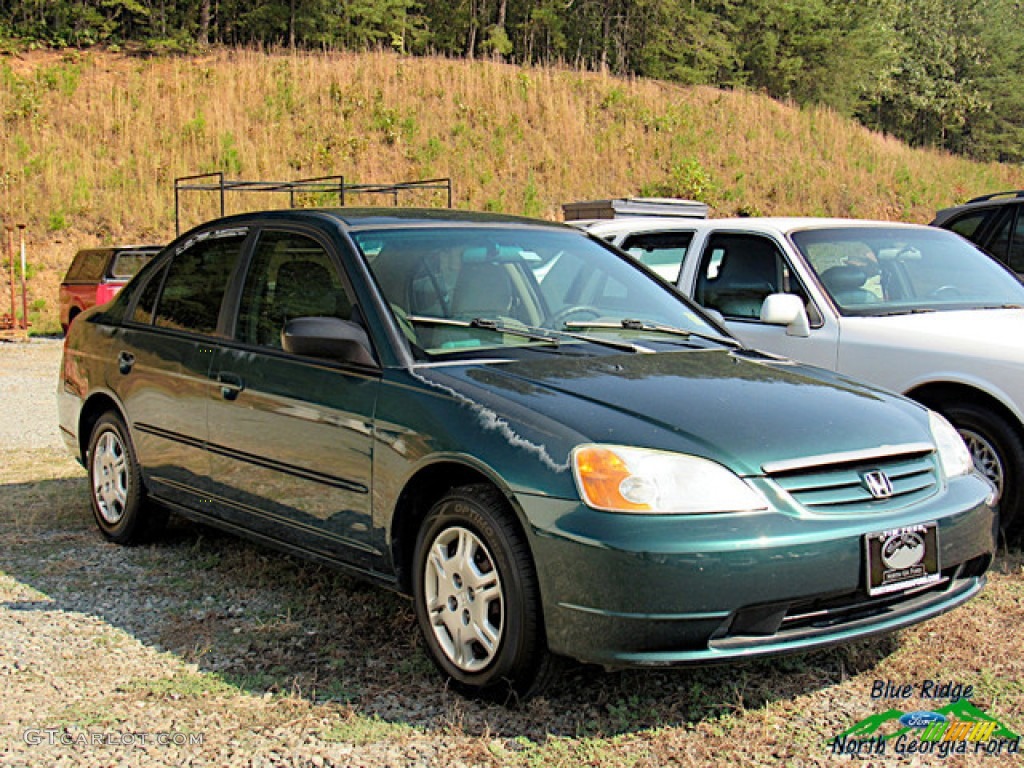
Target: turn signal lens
{"points": [[602, 474]]}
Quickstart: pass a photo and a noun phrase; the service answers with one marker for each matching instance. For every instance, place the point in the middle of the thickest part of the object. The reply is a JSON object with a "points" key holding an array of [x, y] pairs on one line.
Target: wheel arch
{"points": [[425, 488], [935, 394], [92, 410]]}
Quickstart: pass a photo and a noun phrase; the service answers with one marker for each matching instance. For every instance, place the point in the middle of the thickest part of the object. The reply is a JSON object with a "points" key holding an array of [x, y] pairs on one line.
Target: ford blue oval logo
{"points": [[921, 719]]}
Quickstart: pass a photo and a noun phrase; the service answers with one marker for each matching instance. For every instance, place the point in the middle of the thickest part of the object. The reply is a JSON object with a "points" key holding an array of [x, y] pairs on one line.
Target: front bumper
{"points": [[639, 590]]}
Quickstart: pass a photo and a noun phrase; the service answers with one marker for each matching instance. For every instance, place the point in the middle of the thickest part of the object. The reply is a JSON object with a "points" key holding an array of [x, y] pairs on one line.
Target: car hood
{"points": [[976, 333], [739, 408]]}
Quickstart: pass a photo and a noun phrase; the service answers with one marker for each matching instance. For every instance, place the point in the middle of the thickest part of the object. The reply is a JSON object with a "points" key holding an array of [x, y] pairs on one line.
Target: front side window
{"points": [[196, 280], [88, 266], [290, 276], [737, 272]]}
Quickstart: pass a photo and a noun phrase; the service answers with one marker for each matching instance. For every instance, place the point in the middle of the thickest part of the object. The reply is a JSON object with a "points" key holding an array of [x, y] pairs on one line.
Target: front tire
{"points": [[998, 454], [115, 483], [477, 596]]}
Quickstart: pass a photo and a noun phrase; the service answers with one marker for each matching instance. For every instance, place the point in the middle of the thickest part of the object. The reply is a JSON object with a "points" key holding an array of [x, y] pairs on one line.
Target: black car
{"points": [[994, 222]]}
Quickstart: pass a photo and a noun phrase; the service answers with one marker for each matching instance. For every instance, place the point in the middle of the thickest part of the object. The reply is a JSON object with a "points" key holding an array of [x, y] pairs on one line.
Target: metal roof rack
{"points": [[983, 198], [634, 206], [323, 185]]}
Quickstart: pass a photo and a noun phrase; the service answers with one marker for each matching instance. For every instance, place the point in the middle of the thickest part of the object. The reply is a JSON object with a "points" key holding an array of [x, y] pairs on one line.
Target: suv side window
{"points": [[663, 252], [290, 276], [737, 273], [969, 225], [195, 284], [1002, 234], [1015, 256]]}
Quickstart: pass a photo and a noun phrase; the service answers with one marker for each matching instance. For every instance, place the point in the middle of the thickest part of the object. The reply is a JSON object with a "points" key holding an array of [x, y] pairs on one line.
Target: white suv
{"points": [[915, 309]]}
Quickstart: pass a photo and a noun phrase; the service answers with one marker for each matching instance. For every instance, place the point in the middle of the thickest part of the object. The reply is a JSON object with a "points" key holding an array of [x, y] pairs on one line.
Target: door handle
{"points": [[230, 385], [125, 361]]}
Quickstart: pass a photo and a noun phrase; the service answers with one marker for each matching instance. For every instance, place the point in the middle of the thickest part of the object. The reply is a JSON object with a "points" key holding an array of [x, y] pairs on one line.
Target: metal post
{"points": [[10, 250], [24, 293]]}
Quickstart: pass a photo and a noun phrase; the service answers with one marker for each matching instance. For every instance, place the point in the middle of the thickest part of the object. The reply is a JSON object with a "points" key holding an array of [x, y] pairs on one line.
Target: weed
{"points": [[182, 685], [57, 221], [85, 715], [357, 729]]}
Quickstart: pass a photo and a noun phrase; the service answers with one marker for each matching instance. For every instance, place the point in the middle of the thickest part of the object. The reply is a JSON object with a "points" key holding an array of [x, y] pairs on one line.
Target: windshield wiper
{"points": [[550, 336], [631, 324], [910, 311], [487, 324], [525, 332]]}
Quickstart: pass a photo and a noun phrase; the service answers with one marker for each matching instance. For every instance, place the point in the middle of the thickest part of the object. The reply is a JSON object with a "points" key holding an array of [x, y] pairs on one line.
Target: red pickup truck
{"points": [[97, 274]]}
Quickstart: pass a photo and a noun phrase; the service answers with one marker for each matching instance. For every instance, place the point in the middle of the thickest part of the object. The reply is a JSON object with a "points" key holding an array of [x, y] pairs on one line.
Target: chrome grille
{"points": [[842, 487]]}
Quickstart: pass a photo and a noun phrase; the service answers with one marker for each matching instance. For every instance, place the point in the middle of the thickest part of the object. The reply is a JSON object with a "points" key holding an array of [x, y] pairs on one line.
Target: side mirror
{"points": [[788, 310], [327, 337]]}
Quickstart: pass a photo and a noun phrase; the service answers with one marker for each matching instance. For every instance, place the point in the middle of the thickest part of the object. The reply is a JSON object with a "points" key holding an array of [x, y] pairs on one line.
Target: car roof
{"points": [[373, 218], [771, 224]]}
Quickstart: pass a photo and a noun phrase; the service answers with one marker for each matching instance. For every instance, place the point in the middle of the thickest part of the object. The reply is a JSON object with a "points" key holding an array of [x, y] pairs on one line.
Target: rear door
{"points": [[163, 354], [291, 438]]}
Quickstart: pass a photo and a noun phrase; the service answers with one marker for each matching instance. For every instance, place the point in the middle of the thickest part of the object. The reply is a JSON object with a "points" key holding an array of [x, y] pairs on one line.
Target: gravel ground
{"points": [[203, 650], [28, 381]]}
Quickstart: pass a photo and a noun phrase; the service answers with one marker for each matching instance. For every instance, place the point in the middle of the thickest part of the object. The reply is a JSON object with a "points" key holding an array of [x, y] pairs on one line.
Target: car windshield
{"points": [[897, 270], [456, 289]]}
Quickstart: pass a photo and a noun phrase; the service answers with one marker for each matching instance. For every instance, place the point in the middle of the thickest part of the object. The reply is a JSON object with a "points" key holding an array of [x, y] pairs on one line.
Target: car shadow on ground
{"points": [[266, 623]]}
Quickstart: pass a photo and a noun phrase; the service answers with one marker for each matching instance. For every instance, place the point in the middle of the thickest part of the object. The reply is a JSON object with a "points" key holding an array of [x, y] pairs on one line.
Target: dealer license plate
{"points": [[902, 558]]}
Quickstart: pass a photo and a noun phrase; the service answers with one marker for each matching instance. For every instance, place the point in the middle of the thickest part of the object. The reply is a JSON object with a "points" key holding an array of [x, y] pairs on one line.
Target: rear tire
{"points": [[115, 483], [477, 597], [998, 454]]}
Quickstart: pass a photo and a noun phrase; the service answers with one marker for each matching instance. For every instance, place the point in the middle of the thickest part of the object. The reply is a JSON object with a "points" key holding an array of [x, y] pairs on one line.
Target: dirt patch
{"points": [[207, 650]]}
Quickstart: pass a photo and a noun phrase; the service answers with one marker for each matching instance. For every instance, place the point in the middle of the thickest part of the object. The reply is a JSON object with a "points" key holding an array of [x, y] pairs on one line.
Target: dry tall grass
{"points": [[91, 143]]}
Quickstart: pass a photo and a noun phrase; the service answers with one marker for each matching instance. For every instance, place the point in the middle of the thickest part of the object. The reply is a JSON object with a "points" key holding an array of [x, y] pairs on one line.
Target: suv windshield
{"points": [[455, 289], [882, 271]]}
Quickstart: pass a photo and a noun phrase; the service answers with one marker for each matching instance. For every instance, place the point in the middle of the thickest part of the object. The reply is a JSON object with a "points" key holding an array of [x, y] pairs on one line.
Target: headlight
{"points": [[953, 453], [617, 478]]}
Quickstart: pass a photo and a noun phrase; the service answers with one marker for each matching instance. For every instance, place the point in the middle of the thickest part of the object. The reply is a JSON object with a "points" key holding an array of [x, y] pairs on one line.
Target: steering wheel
{"points": [[947, 291], [561, 316]]}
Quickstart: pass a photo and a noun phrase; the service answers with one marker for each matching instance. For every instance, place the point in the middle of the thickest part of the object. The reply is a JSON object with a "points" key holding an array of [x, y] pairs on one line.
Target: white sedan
{"points": [[912, 308]]}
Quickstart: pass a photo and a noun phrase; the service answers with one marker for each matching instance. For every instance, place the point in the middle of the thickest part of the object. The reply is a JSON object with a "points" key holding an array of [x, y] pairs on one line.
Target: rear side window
{"points": [[195, 284], [969, 225], [663, 252], [1002, 234]]}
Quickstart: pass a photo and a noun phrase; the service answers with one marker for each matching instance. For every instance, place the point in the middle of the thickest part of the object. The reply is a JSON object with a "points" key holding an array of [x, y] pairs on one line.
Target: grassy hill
{"points": [[92, 141]]}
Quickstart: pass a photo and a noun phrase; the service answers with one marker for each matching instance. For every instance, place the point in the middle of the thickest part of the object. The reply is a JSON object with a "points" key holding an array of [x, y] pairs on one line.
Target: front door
{"points": [[736, 273], [291, 438]]}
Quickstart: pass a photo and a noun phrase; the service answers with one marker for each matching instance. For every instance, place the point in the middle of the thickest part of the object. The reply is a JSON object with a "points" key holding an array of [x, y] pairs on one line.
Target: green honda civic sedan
{"points": [[548, 448]]}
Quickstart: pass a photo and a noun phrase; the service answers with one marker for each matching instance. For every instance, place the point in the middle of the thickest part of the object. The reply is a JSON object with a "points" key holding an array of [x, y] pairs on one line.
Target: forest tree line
{"points": [[943, 73]]}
